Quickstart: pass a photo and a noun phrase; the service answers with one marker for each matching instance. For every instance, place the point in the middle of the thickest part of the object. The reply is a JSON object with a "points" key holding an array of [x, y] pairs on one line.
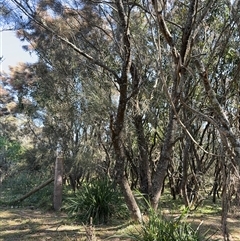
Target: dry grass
{"points": [[23, 224], [28, 225]]}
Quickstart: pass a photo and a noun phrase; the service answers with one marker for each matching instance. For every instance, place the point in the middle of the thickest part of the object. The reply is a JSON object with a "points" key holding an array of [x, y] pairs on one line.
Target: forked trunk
{"points": [[161, 170], [144, 166], [121, 179]]}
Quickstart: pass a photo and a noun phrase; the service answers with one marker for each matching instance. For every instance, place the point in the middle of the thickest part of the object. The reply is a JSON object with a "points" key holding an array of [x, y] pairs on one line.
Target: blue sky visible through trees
{"points": [[12, 51]]}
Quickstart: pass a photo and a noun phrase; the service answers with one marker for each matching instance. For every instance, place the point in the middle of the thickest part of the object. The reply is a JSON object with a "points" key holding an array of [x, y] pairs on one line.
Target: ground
{"points": [[25, 224], [28, 225]]}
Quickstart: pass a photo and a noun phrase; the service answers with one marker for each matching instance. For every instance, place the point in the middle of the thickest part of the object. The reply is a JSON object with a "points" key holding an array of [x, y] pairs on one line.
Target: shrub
{"points": [[159, 228], [21, 183], [99, 199]]}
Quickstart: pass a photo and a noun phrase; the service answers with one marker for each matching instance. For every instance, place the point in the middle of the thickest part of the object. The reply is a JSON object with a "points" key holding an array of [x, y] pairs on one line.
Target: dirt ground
{"points": [[28, 225]]}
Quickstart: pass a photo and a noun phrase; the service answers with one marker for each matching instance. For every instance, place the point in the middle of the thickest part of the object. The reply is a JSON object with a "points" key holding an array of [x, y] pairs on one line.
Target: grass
{"points": [[24, 224], [41, 224], [28, 225], [98, 199]]}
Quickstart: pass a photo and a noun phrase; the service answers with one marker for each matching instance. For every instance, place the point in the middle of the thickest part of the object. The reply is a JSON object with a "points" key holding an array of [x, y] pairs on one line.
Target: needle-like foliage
{"points": [[98, 199]]}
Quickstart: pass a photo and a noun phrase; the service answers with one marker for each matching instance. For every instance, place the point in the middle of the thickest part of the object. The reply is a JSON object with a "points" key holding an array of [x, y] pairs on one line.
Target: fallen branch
{"points": [[36, 189]]}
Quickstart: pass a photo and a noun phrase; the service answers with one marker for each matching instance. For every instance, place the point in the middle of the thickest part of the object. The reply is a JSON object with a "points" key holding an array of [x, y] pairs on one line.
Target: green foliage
{"points": [[10, 150], [41, 199], [158, 228], [18, 185], [99, 199]]}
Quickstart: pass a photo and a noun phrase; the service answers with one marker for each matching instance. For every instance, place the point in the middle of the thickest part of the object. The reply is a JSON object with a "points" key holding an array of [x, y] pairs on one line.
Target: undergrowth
{"points": [[99, 199]]}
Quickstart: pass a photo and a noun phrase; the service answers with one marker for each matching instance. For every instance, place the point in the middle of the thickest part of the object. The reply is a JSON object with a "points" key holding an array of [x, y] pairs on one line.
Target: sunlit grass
{"points": [[207, 214]]}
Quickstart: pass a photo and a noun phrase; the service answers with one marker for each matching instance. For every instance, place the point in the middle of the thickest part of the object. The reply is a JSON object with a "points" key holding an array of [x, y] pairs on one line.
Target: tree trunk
{"points": [[121, 179], [185, 164], [144, 167], [130, 200], [117, 125], [225, 196], [173, 97], [58, 184], [161, 170], [217, 181]]}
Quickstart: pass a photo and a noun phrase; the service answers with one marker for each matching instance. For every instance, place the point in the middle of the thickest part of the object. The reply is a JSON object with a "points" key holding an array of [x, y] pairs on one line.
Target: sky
{"points": [[12, 51]]}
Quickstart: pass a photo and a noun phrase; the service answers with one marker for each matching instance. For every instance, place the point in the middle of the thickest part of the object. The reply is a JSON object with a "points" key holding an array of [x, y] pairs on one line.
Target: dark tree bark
{"points": [[121, 177], [144, 165], [162, 166], [117, 123], [185, 164]]}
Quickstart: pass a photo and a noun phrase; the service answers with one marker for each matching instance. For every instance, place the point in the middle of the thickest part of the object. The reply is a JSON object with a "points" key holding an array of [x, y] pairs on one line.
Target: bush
{"points": [[99, 199], [21, 183], [158, 228]]}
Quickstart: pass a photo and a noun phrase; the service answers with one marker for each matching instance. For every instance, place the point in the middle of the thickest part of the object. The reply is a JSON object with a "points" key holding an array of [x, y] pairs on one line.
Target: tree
{"points": [[152, 85], [119, 119]]}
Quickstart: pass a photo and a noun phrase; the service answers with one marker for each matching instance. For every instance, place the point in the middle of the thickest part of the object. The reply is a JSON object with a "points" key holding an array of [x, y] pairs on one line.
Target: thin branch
{"points": [[175, 24], [179, 120], [65, 40]]}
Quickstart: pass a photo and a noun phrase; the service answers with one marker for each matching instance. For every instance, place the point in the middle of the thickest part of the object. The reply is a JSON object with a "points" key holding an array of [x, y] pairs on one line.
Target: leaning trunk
{"points": [[122, 180], [117, 124], [161, 170], [144, 167]]}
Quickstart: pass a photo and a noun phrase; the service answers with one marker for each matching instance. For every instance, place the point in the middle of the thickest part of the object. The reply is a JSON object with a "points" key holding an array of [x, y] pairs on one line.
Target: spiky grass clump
{"points": [[98, 200], [159, 228]]}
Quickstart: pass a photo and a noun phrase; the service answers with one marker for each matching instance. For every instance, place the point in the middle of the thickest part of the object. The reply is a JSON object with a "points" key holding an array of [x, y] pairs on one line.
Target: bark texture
{"points": [[58, 184]]}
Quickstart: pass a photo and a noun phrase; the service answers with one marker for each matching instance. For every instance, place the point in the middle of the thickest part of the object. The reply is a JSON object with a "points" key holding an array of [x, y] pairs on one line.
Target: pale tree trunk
{"points": [[130, 200], [58, 183]]}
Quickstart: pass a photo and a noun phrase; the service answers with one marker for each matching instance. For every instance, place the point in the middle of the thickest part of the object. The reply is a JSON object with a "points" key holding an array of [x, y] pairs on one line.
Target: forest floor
{"points": [[21, 224]]}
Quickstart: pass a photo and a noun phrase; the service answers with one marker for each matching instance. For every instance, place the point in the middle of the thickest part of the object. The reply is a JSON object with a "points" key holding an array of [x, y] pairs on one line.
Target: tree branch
{"points": [[65, 40]]}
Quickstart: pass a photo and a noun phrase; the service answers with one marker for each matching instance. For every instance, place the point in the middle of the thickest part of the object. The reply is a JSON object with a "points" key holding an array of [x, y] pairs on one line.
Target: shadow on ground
{"points": [[23, 224], [28, 225]]}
